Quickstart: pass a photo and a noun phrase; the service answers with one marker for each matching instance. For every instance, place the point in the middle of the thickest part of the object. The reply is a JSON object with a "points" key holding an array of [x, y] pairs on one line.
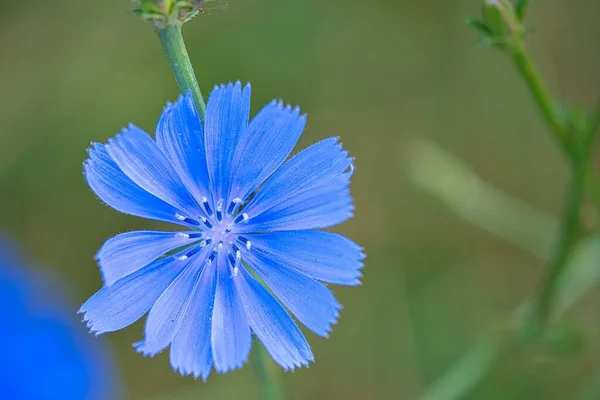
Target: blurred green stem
{"points": [[268, 374], [578, 154], [172, 41], [567, 238], [543, 100]]}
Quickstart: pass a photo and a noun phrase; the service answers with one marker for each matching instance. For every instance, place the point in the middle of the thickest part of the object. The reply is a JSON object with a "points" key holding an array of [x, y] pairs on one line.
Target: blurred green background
{"points": [[380, 74]]}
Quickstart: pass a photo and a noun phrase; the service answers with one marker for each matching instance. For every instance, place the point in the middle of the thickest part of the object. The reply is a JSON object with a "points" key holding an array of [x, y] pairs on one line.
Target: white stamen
{"points": [[235, 271], [220, 205], [179, 217], [248, 245], [238, 257], [182, 258], [220, 245], [237, 200], [182, 235]]}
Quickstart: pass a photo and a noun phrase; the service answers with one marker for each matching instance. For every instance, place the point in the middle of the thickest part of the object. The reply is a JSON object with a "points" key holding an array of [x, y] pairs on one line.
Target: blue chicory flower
{"points": [[249, 215], [44, 353]]}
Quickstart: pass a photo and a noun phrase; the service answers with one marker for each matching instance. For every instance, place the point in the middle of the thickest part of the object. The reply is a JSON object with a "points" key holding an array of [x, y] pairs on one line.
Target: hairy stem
{"points": [[172, 41]]}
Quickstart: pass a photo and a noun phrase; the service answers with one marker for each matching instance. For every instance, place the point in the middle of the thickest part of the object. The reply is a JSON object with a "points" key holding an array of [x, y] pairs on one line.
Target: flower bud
{"points": [[500, 18], [165, 13]]}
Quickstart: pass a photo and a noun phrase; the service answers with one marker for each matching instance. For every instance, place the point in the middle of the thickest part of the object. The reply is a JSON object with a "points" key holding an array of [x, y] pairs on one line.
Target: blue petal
{"points": [[317, 165], [124, 254], [231, 339], [120, 305], [167, 313], [191, 352], [264, 146], [114, 188], [320, 207], [180, 136], [143, 162], [308, 300], [272, 324], [325, 256], [227, 114], [309, 191]]}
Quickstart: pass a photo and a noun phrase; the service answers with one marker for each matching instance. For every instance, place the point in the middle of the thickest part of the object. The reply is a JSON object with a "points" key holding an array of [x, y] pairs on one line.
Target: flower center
{"points": [[217, 231]]}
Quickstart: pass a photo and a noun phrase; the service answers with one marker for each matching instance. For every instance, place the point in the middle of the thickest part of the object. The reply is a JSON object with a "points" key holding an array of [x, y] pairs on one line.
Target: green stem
{"points": [[578, 158], [268, 373], [568, 236], [581, 168], [543, 100], [172, 41]]}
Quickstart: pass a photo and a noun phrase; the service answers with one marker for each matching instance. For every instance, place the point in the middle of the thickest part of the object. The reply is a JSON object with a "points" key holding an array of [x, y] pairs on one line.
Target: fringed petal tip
{"points": [[92, 149], [298, 364], [232, 85], [204, 374], [168, 107], [93, 155], [85, 318], [333, 321], [141, 348], [293, 111], [184, 97], [183, 371], [230, 368], [88, 323], [194, 374]]}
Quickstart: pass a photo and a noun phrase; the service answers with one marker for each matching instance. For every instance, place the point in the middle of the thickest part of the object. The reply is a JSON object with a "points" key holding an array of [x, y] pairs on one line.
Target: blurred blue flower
{"points": [[250, 219], [44, 353]]}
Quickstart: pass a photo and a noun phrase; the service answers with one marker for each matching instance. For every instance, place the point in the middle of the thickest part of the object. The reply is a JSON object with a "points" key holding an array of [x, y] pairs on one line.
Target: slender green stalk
{"points": [[568, 237], [268, 374], [172, 42], [502, 25], [540, 95], [578, 155]]}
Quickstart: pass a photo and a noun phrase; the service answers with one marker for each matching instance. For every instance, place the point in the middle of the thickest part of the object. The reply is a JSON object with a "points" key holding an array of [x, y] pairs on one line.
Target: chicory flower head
{"points": [[250, 220]]}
